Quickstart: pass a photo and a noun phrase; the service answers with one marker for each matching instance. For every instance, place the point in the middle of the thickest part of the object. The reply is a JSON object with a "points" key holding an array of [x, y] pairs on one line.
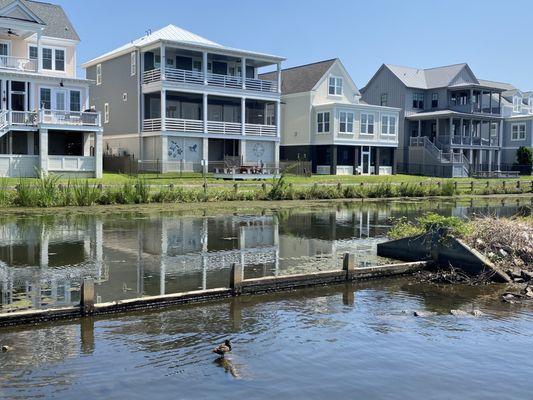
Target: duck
{"points": [[5, 349], [222, 349]]}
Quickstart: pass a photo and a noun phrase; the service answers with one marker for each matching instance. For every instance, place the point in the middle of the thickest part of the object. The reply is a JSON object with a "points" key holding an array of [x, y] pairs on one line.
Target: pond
{"points": [[43, 258]]}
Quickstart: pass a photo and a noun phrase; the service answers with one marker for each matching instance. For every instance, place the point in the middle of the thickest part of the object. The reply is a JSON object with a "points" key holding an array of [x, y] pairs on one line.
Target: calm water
{"points": [[357, 341], [44, 258]]}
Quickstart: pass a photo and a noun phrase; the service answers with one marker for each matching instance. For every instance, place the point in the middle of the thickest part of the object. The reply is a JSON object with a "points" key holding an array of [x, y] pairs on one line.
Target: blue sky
{"points": [[494, 37]]}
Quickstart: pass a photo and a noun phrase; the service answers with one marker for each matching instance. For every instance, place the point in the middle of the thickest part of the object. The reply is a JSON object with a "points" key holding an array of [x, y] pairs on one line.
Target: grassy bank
{"points": [[51, 192]]}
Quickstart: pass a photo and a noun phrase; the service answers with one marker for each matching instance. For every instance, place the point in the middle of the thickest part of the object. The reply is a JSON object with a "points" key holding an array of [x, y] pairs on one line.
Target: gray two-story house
{"points": [[451, 122]]}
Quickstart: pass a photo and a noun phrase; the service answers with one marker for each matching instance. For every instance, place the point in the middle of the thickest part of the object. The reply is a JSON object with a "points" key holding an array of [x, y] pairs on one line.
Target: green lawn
{"points": [[195, 179]]}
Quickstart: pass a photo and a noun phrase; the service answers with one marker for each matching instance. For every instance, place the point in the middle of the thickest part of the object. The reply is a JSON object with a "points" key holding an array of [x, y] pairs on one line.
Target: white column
{"points": [[419, 128], [451, 129], [436, 129], [205, 153], [163, 61], [204, 66], [98, 154], [164, 153], [163, 109], [279, 77], [470, 156], [490, 160], [278, 118], [243, 115], [39, 55], [276, 154], [500, 144], [243, 72], [3, 93], [43, 151], [204, 111], [243, 150]]}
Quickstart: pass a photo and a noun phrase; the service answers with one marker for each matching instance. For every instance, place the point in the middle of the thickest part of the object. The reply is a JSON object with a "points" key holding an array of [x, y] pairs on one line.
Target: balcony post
{"points": [[205, 155], [481, 101], [279, 77], [419, 127], [163, 109], [204, 67], [461, 122], [451, 129], [243, 72], [471, 100], [490, 102], [499, 103], [490, 160], [436, 129], [98, 154], [243, 115], [163, 61], [278, 118], [3, 94], [204, 111]]}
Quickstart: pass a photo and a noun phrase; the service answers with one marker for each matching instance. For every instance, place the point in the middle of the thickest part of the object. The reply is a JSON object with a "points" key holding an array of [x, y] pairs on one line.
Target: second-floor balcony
{"points": [[18, 64], [210, 79], [32, 119]]}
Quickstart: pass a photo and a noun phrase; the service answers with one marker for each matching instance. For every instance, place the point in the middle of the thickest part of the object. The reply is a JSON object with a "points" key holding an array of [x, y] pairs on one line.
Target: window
{"points": [[388, 125], [75, 100], [4, 48], [59, 60], [99, 74], [124, 97], [518, 132], [47, 59], [384, 99], [46, 99], [434, 100], [346, 122], [33, 53], [418, 100], [367, 124], [133, 67], [106, 113], [517, 104], [335, 86], [322, 122]]}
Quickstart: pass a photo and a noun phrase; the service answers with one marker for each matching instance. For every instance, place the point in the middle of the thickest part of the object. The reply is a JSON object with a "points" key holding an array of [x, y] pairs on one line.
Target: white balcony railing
{"points": [[233, 128], [261, 130], [152, 125], [18, 63], [23, 118], [71, 163], [218, 80], [72, 118], [184, 125]]}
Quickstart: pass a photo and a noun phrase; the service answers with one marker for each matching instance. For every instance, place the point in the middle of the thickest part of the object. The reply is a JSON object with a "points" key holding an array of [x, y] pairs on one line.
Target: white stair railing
{"points": [[4, 123]]}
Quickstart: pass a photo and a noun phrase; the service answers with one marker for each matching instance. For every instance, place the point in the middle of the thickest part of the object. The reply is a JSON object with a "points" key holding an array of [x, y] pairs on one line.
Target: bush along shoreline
{"points": [[48, 192]]}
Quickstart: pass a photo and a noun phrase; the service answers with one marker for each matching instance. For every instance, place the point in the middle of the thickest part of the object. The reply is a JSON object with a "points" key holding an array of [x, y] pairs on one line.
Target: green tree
{"points": [[524, 158]]}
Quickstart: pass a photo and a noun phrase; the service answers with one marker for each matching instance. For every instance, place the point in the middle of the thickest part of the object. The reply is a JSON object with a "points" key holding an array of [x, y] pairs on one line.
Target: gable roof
{"points": [[174, 34], [302, 78], [428, 78], [53, 17]]}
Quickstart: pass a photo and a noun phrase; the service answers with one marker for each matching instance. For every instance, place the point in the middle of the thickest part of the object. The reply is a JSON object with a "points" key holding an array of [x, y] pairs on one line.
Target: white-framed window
{"points": [[434, 100], [517, 104], [106, 113], [346, 122], [322, 122], [384, 99], [45, 98], [33, 52], [52, 58], [133, 67], [335, 86], [493, 129], [62, 99], [518, 131], [367, 124], [124, 97], [75, 100], [388, 125], [98, 74], [5, 48], [418, 100]]}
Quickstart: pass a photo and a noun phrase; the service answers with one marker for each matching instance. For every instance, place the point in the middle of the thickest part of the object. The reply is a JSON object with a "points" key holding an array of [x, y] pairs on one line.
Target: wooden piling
{"points": [[87, 296], [236, 278], [348, 265]]}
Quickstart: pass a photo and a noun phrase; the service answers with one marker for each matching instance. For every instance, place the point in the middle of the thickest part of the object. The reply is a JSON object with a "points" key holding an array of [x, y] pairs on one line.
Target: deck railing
{"points": [[261, 130], [152, 125], [184, 125], [233, 128], [18, 63], [218, 80], [74, 118], [24, 118]]}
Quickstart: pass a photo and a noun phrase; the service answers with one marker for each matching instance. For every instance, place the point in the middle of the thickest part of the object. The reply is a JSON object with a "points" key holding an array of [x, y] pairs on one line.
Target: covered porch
{"points": [[354, 160]]}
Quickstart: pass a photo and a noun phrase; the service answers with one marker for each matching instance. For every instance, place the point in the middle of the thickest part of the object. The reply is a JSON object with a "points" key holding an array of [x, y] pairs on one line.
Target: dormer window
{"points": [[335, 86], [517, 104]]}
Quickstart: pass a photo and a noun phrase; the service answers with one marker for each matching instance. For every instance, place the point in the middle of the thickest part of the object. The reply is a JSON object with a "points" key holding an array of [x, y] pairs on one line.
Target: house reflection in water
{"points": [[44, 259]]}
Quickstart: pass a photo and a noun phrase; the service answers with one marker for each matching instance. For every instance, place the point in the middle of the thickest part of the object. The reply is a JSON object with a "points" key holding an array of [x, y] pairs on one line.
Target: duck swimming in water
{"points": [[223, 348], [5, 349]]}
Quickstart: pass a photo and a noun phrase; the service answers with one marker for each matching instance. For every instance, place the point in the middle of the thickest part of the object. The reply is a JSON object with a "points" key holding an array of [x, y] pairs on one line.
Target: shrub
{"points": [[5, 193], [411, 190], [83, 194], [448, 189], [47, 190], [26, 195], [381, 190]]}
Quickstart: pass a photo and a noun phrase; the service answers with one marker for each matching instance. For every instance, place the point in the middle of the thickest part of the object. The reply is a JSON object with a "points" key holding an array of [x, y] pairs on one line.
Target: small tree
{"points": [[524, 158]]}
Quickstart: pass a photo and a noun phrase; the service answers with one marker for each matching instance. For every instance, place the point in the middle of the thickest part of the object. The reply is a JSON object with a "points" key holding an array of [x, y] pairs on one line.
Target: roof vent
{"points": [[148, 32]]}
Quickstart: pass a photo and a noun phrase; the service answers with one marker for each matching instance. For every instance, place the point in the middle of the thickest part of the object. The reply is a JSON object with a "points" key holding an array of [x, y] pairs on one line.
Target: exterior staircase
{"points": [[427, 159], [4, 123]]}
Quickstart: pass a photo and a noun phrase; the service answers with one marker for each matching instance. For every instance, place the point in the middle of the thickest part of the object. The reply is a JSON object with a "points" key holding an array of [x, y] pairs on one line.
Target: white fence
{"points": [[71, 164], [15, 166]]}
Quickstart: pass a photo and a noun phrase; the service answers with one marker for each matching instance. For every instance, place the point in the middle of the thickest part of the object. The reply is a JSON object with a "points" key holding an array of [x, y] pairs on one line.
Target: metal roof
{"points": [[57, 23], [177, 35], [428, 78]]}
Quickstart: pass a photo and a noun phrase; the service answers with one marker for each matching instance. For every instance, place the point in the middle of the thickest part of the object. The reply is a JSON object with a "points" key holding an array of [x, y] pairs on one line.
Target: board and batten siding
{"points": [[295, 120], [117, 80]]}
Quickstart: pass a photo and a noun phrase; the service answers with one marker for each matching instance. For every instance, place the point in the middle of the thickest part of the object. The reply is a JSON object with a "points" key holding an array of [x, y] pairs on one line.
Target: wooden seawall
{"points": [[238, 286]]}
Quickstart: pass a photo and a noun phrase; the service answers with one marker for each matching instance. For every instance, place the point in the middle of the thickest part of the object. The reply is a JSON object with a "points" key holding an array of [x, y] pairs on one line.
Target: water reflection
{"points": [[44, 258]]}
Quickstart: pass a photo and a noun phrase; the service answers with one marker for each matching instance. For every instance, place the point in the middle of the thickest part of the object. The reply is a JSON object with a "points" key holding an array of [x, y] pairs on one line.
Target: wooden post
{"points": [[236, 279], [348, 265], [87, 296], [503, 185], [455, 185], [518, 185], [472, 186], [488, 183]]}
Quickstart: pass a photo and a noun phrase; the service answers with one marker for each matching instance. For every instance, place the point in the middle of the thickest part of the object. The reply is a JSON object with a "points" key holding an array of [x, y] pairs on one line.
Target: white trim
{"points": [[367, 124], [324, 131], [389, 118], [106, 113], [346, 122], [26, 9], [133, 63], [53, 98], [98, 74], [336, 85], [54, 49], [518, 125]]}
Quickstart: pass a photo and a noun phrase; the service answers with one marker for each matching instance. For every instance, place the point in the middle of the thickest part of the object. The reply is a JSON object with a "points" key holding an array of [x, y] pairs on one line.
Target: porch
{"points": [[202, 113], [353, 160], [70, 153], [182, 66]]}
